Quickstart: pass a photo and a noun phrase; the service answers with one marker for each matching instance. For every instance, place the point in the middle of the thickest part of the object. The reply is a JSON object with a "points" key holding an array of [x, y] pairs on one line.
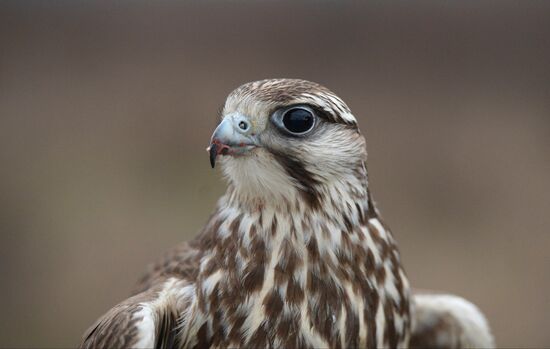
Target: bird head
{"points": [[282, 137]]}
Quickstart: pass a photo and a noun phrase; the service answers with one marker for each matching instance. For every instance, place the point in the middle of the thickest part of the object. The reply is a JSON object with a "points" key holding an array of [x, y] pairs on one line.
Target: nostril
{"points": [[243, 125]]}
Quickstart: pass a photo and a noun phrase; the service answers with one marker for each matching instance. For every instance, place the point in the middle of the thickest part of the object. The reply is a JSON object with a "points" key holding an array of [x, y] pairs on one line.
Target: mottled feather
{"points": [[295, 254]]}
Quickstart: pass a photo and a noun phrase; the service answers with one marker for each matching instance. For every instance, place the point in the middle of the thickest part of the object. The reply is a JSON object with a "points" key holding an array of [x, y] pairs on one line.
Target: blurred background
{"points": [[106, 109]]}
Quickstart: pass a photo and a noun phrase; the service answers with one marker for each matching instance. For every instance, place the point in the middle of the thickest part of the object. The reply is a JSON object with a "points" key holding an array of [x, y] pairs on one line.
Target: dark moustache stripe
{"points": [[308, 183]]}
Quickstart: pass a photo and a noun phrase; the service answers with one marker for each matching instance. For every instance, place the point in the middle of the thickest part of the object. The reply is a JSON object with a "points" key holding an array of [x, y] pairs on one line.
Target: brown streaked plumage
{"points": [[295, 254]]}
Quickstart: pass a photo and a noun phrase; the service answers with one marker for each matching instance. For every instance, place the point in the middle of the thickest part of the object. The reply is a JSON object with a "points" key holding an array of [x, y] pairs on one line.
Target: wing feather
{"points": [[448, 321], [162, 313], [119, 327], [146, 320]]}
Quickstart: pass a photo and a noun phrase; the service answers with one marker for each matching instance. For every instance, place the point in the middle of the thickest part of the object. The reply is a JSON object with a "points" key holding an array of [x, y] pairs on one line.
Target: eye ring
{"points": [[295, 120], [243, 125]]}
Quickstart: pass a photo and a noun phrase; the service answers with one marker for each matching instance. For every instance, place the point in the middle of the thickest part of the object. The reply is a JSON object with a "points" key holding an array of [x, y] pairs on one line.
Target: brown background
{"points": [[106, 109]]}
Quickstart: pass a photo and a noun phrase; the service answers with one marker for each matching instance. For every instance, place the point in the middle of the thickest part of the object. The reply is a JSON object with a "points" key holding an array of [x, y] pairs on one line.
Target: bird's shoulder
{"points": [[181, 261], [118, 328], [148, 319], [448, 321]]}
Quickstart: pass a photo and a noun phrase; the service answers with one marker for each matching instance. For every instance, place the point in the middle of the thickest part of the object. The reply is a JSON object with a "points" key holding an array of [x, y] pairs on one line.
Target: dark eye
{"points": [[298, 120]]}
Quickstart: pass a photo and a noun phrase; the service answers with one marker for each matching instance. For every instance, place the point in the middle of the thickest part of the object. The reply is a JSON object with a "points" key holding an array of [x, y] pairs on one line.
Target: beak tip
{"points": [[212, 149]]}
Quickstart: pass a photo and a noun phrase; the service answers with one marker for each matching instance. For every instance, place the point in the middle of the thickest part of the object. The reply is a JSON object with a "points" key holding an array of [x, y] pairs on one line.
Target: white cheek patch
{"points": [[334, 154], [259, 174]]}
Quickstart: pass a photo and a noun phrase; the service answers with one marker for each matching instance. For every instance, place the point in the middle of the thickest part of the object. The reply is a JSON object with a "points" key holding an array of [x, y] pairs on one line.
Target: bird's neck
{"points": [[257, 225], [315, 260], [339, 202]]}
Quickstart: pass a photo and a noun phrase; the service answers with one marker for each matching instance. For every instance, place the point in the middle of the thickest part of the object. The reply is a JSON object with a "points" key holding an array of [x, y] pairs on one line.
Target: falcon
{"points": [[295, 254]]}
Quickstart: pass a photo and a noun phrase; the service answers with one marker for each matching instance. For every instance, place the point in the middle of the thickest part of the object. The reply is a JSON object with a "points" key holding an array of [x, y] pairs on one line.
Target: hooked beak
{"points": [[231, 137]]}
